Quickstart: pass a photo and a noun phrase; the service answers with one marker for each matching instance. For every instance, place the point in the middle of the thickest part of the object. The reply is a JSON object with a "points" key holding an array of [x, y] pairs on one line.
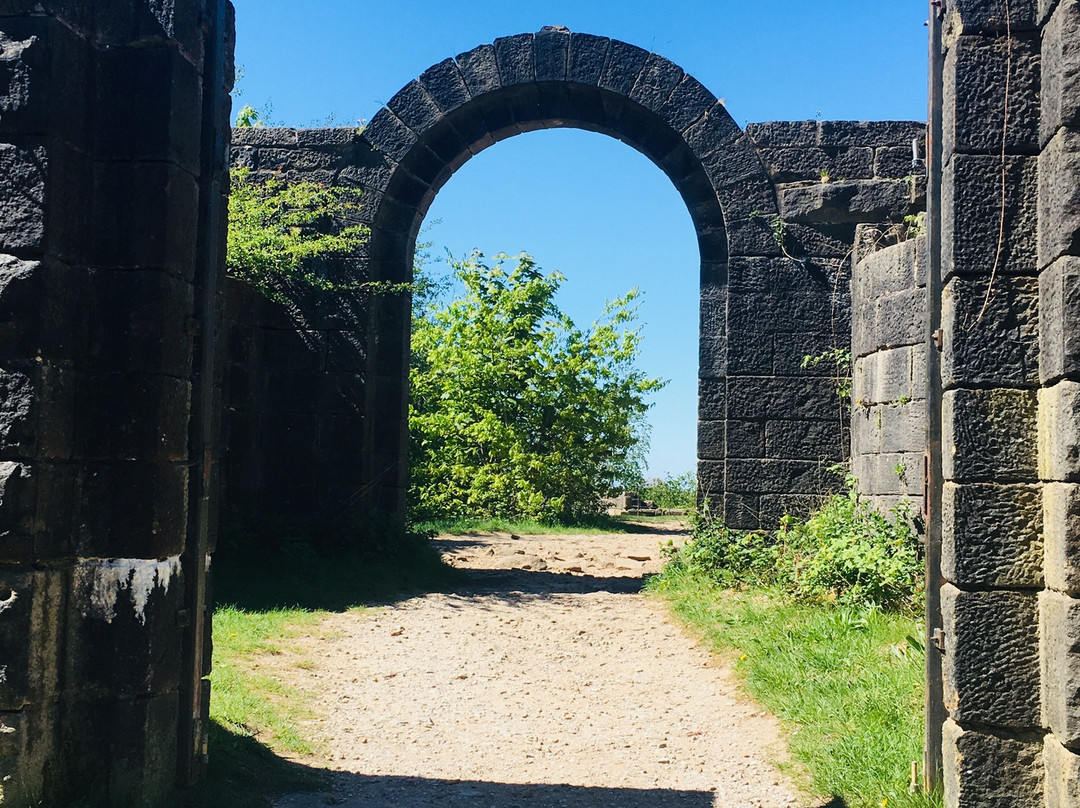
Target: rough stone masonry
{"points": [[112, 152]]}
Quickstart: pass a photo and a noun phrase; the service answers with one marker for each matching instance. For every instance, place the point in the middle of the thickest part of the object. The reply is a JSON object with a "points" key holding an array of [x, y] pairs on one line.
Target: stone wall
{"points": [[110, 176], [1007, 307], [888, 350], [297, 406], [303, 418]]}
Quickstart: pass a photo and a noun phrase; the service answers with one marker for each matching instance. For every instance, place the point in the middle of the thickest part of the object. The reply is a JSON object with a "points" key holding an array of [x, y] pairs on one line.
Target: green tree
{"points": [[515, 411]]}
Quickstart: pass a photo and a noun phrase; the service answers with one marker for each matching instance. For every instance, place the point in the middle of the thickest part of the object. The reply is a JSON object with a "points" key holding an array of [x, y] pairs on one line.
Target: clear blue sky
{"points": [[582, 203]]}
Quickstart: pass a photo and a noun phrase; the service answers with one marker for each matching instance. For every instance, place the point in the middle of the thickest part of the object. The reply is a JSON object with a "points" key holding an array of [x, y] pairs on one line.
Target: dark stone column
{"points": [[100, 183]]}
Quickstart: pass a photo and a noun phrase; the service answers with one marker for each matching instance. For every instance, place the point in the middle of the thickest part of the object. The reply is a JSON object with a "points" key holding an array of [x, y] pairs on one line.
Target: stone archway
{"points": [[556, 78]]}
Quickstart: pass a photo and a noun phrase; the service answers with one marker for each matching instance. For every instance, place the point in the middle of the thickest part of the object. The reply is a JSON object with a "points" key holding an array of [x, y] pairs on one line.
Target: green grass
{"points": [[846, 683], [595, 526]]}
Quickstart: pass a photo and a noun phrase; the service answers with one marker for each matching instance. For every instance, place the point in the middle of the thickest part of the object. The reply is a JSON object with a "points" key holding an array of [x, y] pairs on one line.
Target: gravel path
{"points": [[547, 681]]}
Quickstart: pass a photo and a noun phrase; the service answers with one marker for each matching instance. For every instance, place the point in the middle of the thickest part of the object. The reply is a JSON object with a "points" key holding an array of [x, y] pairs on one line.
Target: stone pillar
{"points": [[1059, 396], [101, 176], [991, 500], [888, 416]]}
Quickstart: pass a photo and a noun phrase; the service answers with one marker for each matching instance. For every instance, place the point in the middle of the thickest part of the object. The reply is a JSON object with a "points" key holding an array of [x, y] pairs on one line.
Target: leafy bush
{"points": [[845, 552], [673, 492], [516, 413]]}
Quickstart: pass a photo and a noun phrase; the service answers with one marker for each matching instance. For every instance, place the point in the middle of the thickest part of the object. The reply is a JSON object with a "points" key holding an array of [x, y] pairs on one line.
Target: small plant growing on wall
{"points": [[282, 233]]}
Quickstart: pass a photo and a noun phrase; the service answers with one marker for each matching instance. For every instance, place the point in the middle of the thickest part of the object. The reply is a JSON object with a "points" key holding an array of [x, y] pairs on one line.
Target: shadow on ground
{"points": [[362, 791]]}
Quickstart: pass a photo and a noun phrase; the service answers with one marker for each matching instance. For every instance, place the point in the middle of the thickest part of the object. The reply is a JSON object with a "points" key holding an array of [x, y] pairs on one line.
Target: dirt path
{"points": [[547, 681]]}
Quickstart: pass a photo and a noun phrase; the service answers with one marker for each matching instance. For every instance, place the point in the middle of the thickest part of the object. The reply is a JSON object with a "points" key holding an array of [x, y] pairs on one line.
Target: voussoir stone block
{"points": [[982, 770], [991, 662], [1061, 70], [1059, 319], [1059, 197], [989, 435], [991, 535], [1062, 775], [1061, 534], [1059, 432], [1059, 617]]}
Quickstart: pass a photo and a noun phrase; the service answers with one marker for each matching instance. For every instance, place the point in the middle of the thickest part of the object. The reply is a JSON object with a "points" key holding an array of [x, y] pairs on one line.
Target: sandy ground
{"points": [[548, 680]]}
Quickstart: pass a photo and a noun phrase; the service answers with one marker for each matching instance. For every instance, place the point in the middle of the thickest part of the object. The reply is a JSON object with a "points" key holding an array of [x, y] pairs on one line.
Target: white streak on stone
{"points": [[107, 578]]}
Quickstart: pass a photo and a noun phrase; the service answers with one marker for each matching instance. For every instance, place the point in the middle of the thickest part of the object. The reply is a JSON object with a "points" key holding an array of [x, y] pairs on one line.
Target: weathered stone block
{"points": [[585, 63], [991, 662], [990, 16], [795, 164], [739, 511], [445, 86], [974, 102], [149, 106], [990, 333], [130, 234], [990, 435], [1059, 197], [753, 398], [711, 481], [870, 133], [688, 102], [1061, 534], [903, 427], [1060, 92], [712, 399], [1059, 320], [624, 63], [130, 509], [855, 201], [780, 476], [22, 198], [715, 130], [784, 133], [971, 215], [388, 135], [415, 108], [31, 605], [712, 441], [805, 440], [657, 80], [991, 535], [896, 162], [900, 318], [42, 310], [1062, 775], [1059, 432], [982, 770], [1059, 631], [129, 311], [892, 382], [132, 755], [124, 416]]}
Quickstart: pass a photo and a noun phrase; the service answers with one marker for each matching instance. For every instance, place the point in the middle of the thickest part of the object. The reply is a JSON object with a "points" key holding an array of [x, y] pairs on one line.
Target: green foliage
{"points": [[845, 552], [840, 360], [673, 492], [517, 413], [280, 235], [847, 682]]}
